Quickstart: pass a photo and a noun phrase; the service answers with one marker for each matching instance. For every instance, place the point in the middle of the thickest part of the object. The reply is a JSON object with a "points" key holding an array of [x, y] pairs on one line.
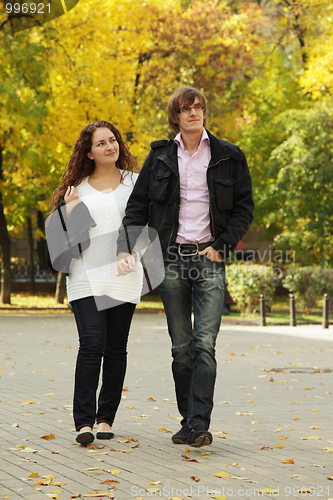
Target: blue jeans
{"points": [[102, 335], [199, 283]]}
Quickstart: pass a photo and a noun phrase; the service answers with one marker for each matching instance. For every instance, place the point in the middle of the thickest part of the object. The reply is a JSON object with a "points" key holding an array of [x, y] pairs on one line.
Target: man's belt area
{"points": [[191, 249]]}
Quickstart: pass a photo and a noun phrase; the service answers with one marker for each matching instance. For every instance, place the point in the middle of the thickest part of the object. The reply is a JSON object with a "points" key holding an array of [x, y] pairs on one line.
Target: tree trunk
{"points": [[41, 243], [5, 247], [31, 256], [61, 288]]}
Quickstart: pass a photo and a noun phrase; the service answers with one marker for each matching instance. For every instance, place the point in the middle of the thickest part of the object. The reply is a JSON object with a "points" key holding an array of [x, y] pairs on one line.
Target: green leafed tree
{"points": [[295, 204], [23, 95]]}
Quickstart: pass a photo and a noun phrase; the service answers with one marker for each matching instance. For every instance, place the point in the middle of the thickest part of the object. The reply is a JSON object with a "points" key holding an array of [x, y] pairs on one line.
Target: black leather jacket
{"points": [[155, 199]]}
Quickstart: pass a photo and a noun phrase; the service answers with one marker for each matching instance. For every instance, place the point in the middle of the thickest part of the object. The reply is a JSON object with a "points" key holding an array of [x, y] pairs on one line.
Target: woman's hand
{"points": [[72, 199], [126, 263]]}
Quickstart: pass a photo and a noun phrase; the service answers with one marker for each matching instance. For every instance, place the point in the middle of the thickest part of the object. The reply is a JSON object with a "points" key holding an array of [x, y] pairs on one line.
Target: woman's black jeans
{"points": [[102, 334]]}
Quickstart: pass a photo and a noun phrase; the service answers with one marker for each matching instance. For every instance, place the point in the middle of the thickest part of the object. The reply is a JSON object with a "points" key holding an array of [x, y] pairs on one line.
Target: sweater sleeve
{"points": [[137, 210]]}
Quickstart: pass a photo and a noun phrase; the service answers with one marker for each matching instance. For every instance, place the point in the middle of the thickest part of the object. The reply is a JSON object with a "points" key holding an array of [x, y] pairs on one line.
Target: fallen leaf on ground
{"points": [[35, 474], [314, 427], [52, 495], [29, 450], [94, 494], [206, 453], [279, 446], [330, 478], [164, 429], [55, 452], [153, 491], [59, 483], [94, 468], [50, 394], [265, 447], [135, 446], [297, 418], [314, 410], [294, 476], [283, 438], [288, 461], [107, 481], [196, 479], [188, 459], [113, 471], [222, 474], [95, 447], [151, 399], [269, 491], [310, 438], [329, 449], [43, 482], [218, 497], [155, 482], [76, 495], [279, 429], [125, 388], [130, 407], [128, 440], [48, 436]]}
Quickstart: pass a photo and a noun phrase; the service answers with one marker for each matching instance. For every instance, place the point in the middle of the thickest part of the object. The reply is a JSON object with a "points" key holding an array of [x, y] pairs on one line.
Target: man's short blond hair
{"points": [[183, 97]]}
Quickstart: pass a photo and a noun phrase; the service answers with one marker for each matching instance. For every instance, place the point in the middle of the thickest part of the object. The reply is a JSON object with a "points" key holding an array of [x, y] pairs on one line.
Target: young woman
{"points": [[100, 176]]}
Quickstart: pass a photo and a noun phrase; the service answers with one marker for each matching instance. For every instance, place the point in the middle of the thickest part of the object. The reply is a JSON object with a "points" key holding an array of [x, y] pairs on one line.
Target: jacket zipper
{"points": [[173, 219], [210, 206]]}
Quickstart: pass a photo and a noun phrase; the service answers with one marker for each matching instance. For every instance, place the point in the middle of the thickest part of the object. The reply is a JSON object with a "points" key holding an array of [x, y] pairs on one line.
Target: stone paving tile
{"points": [[255, 395]]}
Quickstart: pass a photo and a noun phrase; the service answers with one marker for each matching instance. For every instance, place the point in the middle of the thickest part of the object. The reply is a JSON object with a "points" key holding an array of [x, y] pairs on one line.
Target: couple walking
{"points": [[195, 191]]}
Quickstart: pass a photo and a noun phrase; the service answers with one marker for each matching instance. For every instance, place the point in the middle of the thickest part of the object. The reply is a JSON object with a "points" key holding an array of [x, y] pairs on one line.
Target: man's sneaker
{"points": [[181, 436], [199, 436]]}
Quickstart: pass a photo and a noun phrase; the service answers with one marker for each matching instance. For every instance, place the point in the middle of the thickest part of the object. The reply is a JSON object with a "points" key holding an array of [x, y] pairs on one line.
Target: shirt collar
{"points": [[179, 141]]}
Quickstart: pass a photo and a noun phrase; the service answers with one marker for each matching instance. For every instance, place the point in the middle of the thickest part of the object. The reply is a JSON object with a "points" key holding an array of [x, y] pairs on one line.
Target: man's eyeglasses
{"points": [[198, 109]]}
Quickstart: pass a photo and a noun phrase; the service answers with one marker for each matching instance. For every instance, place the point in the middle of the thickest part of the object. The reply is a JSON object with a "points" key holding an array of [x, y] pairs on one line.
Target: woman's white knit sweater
{"points": [[94, 274]]}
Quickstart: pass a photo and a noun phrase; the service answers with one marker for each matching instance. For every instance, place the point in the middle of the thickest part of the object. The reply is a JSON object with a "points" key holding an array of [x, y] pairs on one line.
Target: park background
{"points": [[266, 70]]}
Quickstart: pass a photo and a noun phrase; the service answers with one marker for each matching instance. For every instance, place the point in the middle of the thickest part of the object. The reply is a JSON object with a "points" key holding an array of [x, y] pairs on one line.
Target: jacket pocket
{"points": [[224, 192], [159, 184]]}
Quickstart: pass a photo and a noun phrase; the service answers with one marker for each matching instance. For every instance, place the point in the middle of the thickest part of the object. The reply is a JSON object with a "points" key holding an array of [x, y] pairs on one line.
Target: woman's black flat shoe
{"points": [[85, 438], [104, 435]]}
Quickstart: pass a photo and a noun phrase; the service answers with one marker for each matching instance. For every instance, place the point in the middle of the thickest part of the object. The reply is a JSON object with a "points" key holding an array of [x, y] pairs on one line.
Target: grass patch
{"points": [[40, 300], [44, 303]]}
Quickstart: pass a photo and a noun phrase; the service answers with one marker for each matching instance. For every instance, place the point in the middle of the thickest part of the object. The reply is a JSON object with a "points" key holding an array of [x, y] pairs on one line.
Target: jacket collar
{"points": [[219, 151], [169, 156]]}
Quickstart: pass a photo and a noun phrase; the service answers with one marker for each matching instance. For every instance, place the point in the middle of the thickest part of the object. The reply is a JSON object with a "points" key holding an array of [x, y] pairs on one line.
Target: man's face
{"points": [[191, 121]]}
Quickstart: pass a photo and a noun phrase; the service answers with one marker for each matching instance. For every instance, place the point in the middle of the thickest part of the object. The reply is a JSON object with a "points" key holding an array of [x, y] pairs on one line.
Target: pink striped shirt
{"points": [[194, 220]]}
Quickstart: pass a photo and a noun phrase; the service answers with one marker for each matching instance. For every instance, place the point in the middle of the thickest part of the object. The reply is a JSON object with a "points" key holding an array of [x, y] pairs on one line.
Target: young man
{"points": [[196, 192]]}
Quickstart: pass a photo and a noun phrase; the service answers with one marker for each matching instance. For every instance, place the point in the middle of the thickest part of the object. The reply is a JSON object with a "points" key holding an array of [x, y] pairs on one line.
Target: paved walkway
{"points": [[273, 403]]}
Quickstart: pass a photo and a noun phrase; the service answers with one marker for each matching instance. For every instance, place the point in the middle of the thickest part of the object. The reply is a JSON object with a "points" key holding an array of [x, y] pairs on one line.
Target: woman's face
{"points": [[105, 148]]}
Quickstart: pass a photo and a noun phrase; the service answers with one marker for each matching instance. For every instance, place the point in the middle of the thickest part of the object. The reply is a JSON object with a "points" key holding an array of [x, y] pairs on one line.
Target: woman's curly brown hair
{"points": [[80, 166]]}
